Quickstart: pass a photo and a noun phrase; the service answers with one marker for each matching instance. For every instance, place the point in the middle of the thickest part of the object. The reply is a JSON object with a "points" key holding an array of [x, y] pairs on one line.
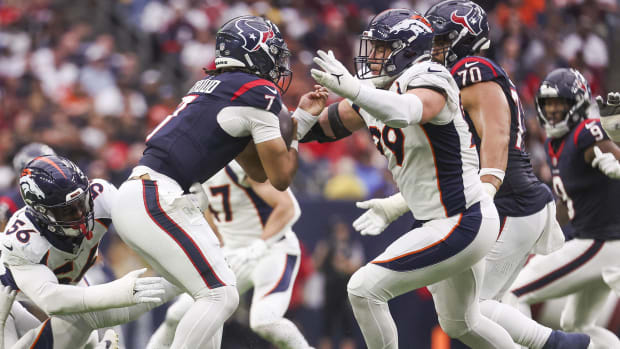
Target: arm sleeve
{"points": [[261, 124], [41, 286]]}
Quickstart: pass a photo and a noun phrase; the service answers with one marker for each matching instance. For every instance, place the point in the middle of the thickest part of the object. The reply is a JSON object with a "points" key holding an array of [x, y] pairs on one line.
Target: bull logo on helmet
{"points": [[30, 188], [254, 33], [472, 20]]}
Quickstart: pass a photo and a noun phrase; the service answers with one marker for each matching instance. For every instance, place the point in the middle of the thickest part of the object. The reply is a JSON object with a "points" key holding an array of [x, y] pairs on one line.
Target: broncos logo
{"points": [[30, 188], [472, 20], [410, 24], [253, 33]]}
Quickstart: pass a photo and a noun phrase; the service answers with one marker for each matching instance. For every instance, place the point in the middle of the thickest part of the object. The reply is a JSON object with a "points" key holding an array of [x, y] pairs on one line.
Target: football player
{"points": [[585, 170], [234, 108], [254, 220], [410, 105], [50, 244], [526, 208], [12, 201]]}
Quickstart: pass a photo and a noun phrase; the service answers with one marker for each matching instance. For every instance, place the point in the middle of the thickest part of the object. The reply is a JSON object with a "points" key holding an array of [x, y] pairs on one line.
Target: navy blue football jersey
{"points": [[591, 197], [521, 193], [10, 202], [190, 145]]}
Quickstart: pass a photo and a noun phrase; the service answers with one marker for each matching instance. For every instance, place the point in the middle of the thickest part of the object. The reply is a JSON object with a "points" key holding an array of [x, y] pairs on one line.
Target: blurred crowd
{"points": [[92, 78]]}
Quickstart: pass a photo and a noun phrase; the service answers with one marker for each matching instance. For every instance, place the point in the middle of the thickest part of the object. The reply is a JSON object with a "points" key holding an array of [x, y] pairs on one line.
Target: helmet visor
{"points": [[285, 75], [73, 217]]}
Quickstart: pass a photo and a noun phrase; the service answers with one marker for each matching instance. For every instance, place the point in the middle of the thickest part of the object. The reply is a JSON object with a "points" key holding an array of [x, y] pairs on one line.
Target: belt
{"points": [[144, 176]]}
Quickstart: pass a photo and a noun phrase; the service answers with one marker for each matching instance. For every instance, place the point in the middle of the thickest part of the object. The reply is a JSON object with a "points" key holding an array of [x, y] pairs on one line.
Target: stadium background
{"points": [[91, 78]]}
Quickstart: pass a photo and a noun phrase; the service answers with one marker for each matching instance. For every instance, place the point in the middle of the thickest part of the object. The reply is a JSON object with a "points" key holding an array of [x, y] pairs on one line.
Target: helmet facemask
{"points": [[72, 218]]}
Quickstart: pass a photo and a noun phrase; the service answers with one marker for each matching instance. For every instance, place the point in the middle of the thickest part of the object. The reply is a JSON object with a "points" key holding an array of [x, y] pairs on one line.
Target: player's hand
{"points": [[314, 101], [7, 297], [238, 258], [145, 289], [335, 75], [610, 114], [607, 163], [379, 214]]}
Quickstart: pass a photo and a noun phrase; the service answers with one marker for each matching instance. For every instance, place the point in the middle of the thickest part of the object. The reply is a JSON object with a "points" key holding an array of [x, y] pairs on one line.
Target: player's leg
{"points": [[58, 332], [273, 279], [438, 250], [164, 335], [170, 233], [582, 310]]}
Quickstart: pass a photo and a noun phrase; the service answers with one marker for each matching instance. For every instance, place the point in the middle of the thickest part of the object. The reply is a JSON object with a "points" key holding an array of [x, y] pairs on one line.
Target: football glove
{"points": [[241, 256], [335, 76], [146, 289], [379, 214], [607, 163], [610, 114]]}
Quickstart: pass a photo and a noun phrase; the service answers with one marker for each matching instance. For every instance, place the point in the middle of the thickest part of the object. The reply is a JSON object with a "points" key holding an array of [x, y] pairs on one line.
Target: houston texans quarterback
{"points": [[234, 108], [586, 173], [48, 247], [410, 105], [254, 220]]}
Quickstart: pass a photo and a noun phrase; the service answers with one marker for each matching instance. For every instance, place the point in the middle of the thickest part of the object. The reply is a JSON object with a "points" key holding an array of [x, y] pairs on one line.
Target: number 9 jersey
{"points": [[26, 243], [591, 197]]}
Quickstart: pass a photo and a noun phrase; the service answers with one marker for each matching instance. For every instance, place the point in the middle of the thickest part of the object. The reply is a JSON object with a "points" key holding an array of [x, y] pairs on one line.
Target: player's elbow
{"points": [[281, 183]]}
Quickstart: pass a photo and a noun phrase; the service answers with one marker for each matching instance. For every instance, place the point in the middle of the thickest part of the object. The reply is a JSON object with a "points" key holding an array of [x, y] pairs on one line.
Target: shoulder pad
{"points": [[22, 243], [430, 75], [256, 92], [471, 70], [104, 195], [587, 133]]}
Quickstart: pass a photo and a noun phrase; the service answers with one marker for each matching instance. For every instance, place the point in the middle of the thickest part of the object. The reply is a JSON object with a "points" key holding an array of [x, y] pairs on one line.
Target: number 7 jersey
{"points": [[25, 243], [521, 194]]}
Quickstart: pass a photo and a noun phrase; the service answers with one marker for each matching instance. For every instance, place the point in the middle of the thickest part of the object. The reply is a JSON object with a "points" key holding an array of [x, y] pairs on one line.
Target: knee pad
{"points": [[362, 284]]}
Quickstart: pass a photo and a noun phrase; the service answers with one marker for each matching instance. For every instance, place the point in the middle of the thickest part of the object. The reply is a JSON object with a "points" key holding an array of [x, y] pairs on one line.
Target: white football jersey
{"points": [[24, 243], [435, 165], [238, 212]]}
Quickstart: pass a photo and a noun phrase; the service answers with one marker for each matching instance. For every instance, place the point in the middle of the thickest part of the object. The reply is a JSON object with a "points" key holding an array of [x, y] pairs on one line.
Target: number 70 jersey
{"points": [[434, 164]]}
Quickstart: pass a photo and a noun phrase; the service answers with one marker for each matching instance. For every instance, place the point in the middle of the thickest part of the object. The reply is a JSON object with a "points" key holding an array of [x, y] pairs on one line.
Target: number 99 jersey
{"points": [[591, 197], [25, 243], [521, 193]]}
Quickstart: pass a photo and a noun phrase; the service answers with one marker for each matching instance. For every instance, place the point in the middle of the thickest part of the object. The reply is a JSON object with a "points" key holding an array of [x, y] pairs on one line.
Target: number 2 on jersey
{"points": [[184, 102]]}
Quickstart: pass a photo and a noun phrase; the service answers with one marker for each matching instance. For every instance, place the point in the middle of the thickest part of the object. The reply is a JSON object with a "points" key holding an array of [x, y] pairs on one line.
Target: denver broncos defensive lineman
{"points": [[254, 220], [50, 244], [234, 108], [585, 172], [414, 116]]}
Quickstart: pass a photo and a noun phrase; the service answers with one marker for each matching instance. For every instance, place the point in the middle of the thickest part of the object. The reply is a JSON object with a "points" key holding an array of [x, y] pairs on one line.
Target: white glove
{"points": [[380, 213], [335, 75], [610, 114], [607, 163], [237, 258], [144, 290], [7, 296]]}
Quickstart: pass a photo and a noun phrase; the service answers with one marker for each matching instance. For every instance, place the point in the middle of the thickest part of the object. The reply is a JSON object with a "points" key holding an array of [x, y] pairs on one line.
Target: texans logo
{"points": [[253, 33], [472, 20]]}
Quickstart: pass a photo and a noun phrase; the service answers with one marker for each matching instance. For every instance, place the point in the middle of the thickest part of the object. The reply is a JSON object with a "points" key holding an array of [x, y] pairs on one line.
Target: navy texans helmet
{"points": [[29, 152], [256, 44], [571, 86], [462, 26], [57, 193], [406, 35]]}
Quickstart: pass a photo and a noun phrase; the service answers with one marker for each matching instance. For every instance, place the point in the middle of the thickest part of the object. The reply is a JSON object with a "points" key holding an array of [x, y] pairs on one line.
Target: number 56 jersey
{"points": [[24, 242], [434, 164]]}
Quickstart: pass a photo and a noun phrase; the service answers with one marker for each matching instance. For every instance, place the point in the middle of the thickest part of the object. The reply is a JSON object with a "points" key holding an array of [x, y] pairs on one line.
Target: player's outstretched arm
{"points": [[41, 285], [488, 108], [610, 114], [418, 105]]}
